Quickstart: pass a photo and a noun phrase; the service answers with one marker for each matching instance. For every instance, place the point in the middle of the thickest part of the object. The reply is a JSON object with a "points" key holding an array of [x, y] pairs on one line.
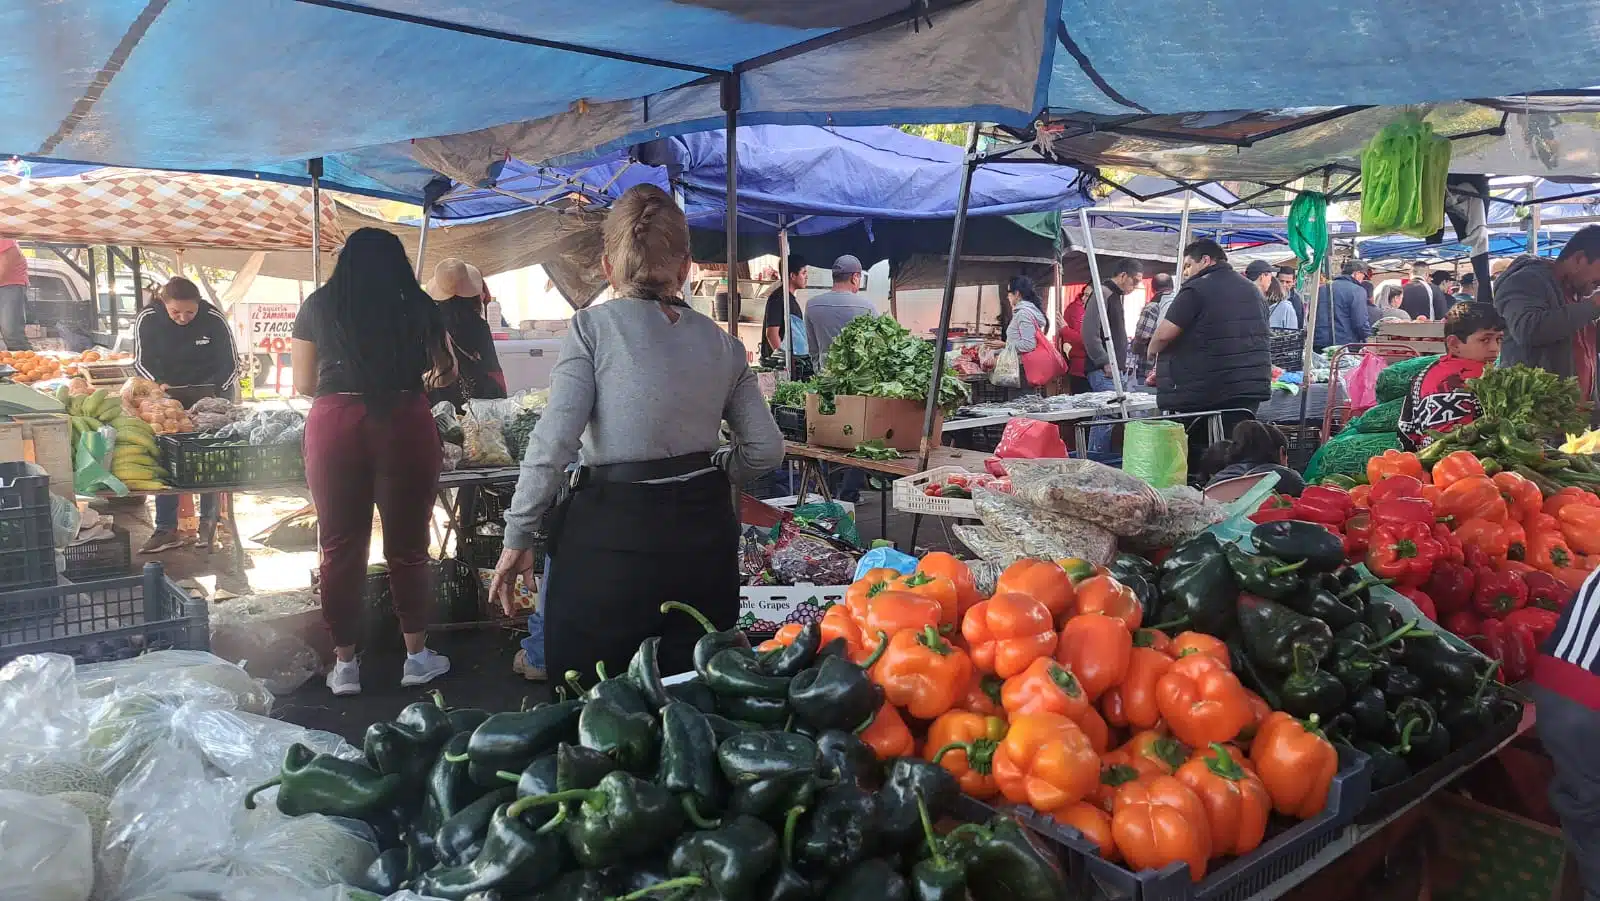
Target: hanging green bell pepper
{"points": [[1004, 864], [711, 643], [695, 692], [1261, 575], [510, 741], [728, 861], [619, 818], [688, 764], [785, 883], [1201, 596], [937, 877], [516, 859], [1309, 690], [852, 762], [1271, 631], [789, 660], [870, 880], [644, 674], [460, 838], [449, 787], [629, 738], [835, 693], [839, 830], [309, 782], [908, 781]]}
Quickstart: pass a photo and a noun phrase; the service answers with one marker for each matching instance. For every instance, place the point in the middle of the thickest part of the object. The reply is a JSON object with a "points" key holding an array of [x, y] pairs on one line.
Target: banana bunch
{"points": [[136, 458], [1587, 443]]}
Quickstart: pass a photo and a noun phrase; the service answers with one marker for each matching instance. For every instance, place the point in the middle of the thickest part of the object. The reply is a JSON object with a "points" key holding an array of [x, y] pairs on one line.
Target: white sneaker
{"points": [[423, 667], [345, 679]]}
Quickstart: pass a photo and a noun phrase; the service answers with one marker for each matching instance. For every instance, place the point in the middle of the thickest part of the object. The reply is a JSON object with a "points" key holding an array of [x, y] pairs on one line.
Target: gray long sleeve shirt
{"points": [[630, 386]]}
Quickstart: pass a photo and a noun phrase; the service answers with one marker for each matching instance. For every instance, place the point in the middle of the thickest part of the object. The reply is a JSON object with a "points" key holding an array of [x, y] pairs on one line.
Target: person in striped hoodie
{"points": [[1566, 689]]}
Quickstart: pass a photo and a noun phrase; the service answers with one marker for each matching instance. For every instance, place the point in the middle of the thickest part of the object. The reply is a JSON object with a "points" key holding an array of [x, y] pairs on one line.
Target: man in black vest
{"points": [[1212, 348]]}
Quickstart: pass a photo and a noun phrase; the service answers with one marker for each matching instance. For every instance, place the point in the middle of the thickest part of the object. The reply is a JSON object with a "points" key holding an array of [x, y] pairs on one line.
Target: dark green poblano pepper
{"points": [[1309, 689], [516, 859], [784, 882], [789, 660], [727, 863], [620, 818], [939, 876], [628, 738], [714, 641], [840, 830], [688, 762], [1268, 577]]}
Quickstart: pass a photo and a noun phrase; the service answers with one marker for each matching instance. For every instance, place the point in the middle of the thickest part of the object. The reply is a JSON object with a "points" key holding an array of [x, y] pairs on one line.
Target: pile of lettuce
{"points": [[876, 356]]}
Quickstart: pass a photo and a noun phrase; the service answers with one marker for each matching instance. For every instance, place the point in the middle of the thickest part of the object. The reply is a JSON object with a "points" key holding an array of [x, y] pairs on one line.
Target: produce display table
{"points": [[1135, 403], [810, 459]]}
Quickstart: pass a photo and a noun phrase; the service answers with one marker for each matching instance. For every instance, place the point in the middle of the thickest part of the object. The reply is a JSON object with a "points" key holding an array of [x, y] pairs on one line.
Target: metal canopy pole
{"points": [[730, 126], [958, 234], [1100, 304], [1183, 241], [787, 329], [314, 168], [1533, 230], [422, 243]]}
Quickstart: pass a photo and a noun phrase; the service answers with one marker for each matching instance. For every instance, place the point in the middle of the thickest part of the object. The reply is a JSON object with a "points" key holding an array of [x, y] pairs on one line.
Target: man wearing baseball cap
{"points": [[1280, 312], [828, 314]]}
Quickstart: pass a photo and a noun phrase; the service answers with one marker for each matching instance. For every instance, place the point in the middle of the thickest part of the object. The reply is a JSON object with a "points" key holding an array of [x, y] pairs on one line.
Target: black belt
{"points": [[646, 470]]}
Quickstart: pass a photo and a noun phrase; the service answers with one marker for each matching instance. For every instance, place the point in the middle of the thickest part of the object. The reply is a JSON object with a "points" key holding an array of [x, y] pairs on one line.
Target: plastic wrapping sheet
{"points": [[808, 558], [131, 723], [246, 746], [1188, 513], [1027, 531], [179, 672], [45, 849], [41, 714], [1109, 498]]}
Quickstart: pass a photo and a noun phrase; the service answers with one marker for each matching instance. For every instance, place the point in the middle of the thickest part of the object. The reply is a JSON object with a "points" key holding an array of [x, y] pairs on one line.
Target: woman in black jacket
{"points": [[186, 346], [458, 288]]}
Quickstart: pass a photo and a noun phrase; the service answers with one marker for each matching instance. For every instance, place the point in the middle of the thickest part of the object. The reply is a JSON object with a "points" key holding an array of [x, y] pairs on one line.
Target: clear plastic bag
{"points": [[179, 672], [809, 559], [1007, 368], [249, 747], [1026, 531], [45, 849], [444, 416], [41, 713], [1189, 512], [483, 433], [1117, 502], [132, 723]]}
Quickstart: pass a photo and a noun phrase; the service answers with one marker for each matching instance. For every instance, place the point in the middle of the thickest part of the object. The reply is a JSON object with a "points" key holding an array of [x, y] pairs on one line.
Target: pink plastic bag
{"points": [[1361, 383], [1030, 439]]}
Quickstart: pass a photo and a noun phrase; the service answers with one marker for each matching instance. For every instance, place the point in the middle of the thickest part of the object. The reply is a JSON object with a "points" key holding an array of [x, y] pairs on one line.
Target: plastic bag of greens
{"points": [[180, 672], [1156, 451], [444, 416]]}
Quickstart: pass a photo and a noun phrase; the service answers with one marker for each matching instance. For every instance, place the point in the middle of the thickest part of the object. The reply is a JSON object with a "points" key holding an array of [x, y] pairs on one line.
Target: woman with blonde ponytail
{"points": [[638, 398]]}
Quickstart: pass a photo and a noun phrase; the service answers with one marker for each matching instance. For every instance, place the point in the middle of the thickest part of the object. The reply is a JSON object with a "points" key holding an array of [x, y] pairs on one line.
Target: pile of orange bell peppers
{"points": [[1049, 693]]}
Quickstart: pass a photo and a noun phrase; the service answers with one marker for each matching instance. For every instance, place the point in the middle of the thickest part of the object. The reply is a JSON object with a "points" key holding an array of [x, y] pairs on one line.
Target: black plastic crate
{"points": [[105, 558], [456, 599], [1288, 348], [1388, 800], [791, 421], [984, 438], [987, 392], [196, 462], [493, 502], [27, 542], [1289, 845], [110, 619]]}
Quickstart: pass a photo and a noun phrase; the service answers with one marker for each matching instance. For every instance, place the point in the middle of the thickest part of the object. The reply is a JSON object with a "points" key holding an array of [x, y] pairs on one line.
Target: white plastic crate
{"points": [[908, 496]]}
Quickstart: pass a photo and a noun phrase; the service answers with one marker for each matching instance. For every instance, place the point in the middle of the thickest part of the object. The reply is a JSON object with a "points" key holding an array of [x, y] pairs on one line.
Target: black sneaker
{"points": [[161, 540]]}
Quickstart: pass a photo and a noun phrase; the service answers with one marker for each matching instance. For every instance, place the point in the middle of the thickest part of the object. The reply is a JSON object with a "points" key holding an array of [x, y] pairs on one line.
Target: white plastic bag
{"points": [[249, 747], [180, 672], [483, 431], [41, 714], [126, 726], [45, 849], [1007, 368]]}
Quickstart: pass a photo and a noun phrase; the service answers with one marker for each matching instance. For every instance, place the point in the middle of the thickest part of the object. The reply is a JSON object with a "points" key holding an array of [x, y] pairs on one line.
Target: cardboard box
{"points": [[45, 439], [765, 608], [898, 423]]}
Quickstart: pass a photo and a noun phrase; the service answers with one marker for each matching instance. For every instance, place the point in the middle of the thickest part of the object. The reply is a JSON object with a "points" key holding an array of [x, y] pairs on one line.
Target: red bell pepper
{"points": [[1546, 592], [1423, 602], [1357, 535], [1541, 622], [1499, 593], [1453, 550], [1324, 504], [1275, 508], [1513, 646], [1395, 486], [1402, 510], [1475, 558], [1464, 623], [1451, 587], [1404, 553]]}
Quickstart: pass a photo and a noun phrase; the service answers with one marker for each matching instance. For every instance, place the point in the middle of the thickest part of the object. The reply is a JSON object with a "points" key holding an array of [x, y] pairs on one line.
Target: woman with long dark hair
{"points": [[368, 344], [644, 382], [459, 290]]}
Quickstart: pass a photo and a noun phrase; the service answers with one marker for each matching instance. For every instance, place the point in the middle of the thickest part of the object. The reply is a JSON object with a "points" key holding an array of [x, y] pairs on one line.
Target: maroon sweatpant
{"points": [[356, 457]]}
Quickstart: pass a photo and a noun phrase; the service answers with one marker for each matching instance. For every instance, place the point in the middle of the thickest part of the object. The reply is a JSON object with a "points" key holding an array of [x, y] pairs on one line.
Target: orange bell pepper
{"points": [[1522, 497], [1136, 693], [1455, 467], [837, 624], [1093, 824], [1044, 687], [1573, 577], [891, 611], [1155, 640], [866, 588], [982, 695], [784, 637], [1154, 753], [922, 672], [1541, 522], [1361, 497], [1296, 764], [1236, 802], [1094, 726], [1431, 494], [1259, 710], [1187, 643], [964, 743], [1489, 537], [1571, 495], [1112, 711], [1008, 632], [1046, 762], [1393, 463], [886, 734], [1159, 821], [1580, 526], [1115, 772], [1044, 581], [1108, 597], [940, 589], [1548, 551], [951, 567], [1097, 649], [1202, 702], [1474, 497]]}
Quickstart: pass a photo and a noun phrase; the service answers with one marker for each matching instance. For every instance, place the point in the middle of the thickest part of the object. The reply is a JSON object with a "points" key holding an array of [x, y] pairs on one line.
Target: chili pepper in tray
{"points": [[938, 876], [461, 838], [628, 738], [1467, 718], [835, 693], [1271, 631], [510, 741], [839, 830]]}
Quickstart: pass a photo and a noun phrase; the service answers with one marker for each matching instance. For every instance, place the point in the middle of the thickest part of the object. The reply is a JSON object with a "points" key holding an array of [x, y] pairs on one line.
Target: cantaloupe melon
{"points": [[51, 778]]}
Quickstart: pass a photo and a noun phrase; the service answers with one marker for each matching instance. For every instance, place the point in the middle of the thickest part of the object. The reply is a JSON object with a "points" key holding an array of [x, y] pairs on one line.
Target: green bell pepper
{"points": [[579, 767], [1370, 711], [1353, 664], [309, 782], [1201, 596], [785, 883], [1441, 666], [627, 737], [644, 674], [711, 643], [937, 877], [835, 693], [618, 691], [510, 741], [1388, 768], [839, 831], [1468, 718], [621, 817], [460, 838], [1319, 602], [1270, 632], [449, 787], [870, 880], [789, 660], [688, 764], [1261, 575], [1309, 690], [908, 782], [1294, 541], [1004, 864], [462, 719], [849, 758], [1186, 555], [728, 862], [516, 859], [1133, 565]]}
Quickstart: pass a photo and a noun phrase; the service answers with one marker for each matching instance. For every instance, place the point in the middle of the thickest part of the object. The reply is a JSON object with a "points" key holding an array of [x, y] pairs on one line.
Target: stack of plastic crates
{"points": [[103, 558], [110, 619], [27, 543]]}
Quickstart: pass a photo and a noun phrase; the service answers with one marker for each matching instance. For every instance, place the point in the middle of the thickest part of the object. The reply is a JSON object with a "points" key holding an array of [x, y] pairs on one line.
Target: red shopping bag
{"points": [[1030, 439], [1044, 362]]}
